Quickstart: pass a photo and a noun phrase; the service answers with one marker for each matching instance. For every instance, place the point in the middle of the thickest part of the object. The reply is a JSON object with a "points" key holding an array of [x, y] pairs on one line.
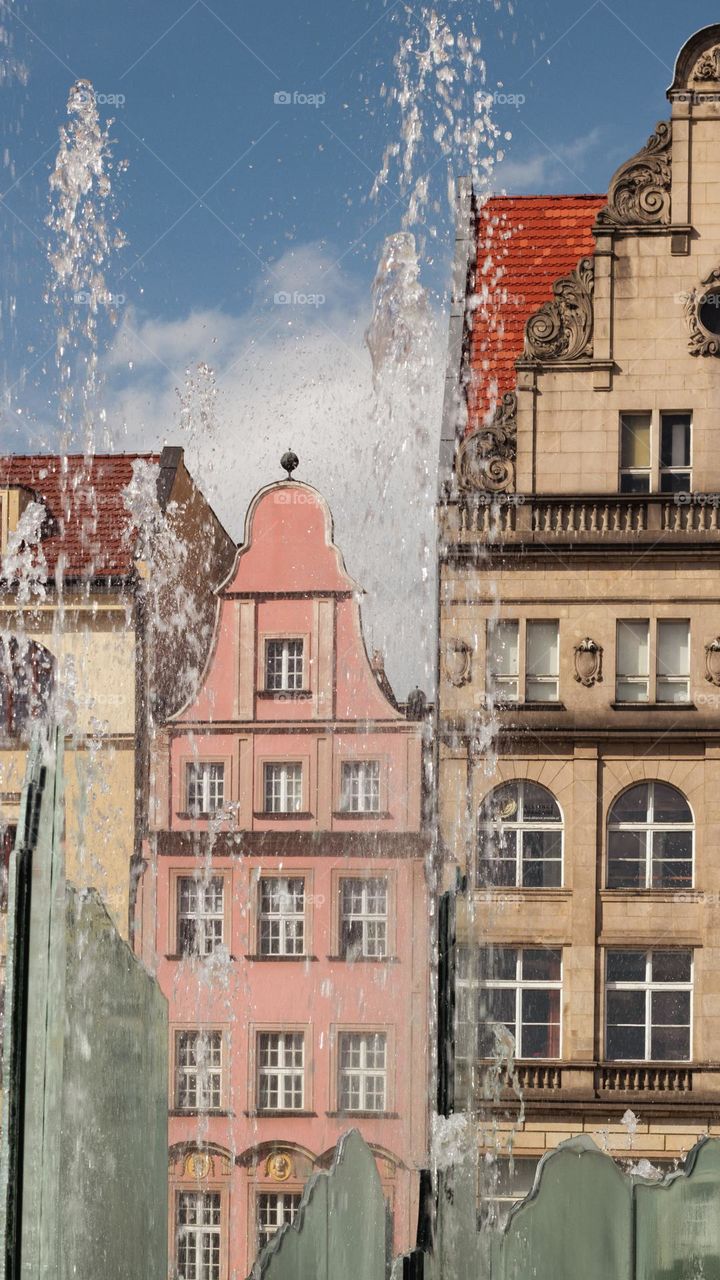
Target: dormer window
{"points": [[284, 666]]}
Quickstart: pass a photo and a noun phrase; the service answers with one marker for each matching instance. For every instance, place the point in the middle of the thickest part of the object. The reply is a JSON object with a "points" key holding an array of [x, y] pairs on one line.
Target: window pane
{"points": [[626, 859], [632, 805], [497, 1004], [670, 1008], [632, 647], [671, 966], [626, 966], [670, 805], [539, 804], [542, 648], [538, 965], [499, 963], [673, 647], [502, 639], [635, 440], [626, 1007], [670, 1044], [675, 440], [625, 1043]]}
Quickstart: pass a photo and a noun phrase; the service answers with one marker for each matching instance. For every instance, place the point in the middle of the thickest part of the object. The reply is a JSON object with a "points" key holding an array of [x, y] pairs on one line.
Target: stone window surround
{"points": [[255, 1029], [175, 1029], [285, 873], [646, 986], [309, 664], [356, 1028], [364, 873], [182, 871], [522, 678], [656, 417], [652, 699]]}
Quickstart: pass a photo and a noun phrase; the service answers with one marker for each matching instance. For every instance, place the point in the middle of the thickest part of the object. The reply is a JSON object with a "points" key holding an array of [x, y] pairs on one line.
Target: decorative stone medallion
{"points": [[486, 457], [588, 662], [712, 661], [702, 315], [279, 1166], [457, 661], [563, 329], [198, 1165]]}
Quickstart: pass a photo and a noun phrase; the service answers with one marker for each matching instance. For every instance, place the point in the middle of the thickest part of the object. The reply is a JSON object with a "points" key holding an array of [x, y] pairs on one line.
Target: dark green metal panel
{"points": [[339, 1230], [678, 1220]]}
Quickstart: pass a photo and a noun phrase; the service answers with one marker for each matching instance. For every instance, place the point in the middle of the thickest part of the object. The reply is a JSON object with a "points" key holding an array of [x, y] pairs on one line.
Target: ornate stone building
{"points": [[579, 685]]}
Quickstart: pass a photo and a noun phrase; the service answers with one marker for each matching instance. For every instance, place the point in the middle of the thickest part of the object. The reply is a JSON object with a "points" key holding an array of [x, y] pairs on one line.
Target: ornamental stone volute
{"points": [[639, 193], [563, 329], [486, 457]]}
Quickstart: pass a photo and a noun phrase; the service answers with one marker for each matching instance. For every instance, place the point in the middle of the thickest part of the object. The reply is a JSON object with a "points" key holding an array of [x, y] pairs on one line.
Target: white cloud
{"points": [[297, 375], [550, 166]]}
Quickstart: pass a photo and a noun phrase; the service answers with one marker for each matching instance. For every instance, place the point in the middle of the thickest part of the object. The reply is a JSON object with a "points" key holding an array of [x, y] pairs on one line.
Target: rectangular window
{"points": [[648, 1006], [281, 917], [519, 993], [542, 660], [503, 668], [362, 1074], [198, 1235], [281, 1070], [672, 653], [205, 787], [283, 788], [675, 433], [201, 913], [504, 1184], [635, 453], [360, 786], [198, 1070], [274, 1209], [363, 917], [633, 660], [284, 666]]}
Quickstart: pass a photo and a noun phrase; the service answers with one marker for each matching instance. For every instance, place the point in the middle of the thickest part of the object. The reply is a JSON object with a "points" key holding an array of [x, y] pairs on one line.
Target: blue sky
{"points": [[230, 195]]}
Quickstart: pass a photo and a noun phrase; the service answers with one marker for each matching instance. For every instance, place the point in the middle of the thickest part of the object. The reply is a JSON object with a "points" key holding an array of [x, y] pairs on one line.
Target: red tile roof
{"points": [[83, 496], [524, 244]]}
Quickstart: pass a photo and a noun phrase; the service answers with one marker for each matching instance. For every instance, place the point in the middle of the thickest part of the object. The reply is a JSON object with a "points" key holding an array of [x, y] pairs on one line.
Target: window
{"points": [[635, 453], [363, 918], [648, 1001], [633, 660], [360, 786], [205, 786], [503, 660], [362, 1074], [650, 839], [281, 923], [198, 1070], [27, 683], [672, 660], [283, 788], [645, 468], [284, 666], [7, 844], [520, 837], [675, 430], [541, 661], [198, 1235], [201, 910], [519, 992], [672, 655], [505, 1183], [274, 1209], [281, 1057]]}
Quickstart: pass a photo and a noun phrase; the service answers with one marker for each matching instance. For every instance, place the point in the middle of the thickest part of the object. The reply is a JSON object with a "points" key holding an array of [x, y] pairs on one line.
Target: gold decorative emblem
{"points": [[279, 1166], [198, 1165]]}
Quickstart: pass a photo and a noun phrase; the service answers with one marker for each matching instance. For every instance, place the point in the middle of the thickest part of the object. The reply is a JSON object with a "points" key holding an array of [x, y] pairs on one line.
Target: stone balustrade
{"points": [[513, 519]]}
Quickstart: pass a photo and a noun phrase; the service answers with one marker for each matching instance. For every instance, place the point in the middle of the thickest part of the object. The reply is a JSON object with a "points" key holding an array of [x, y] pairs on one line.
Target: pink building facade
{"points": [[284, 905]]}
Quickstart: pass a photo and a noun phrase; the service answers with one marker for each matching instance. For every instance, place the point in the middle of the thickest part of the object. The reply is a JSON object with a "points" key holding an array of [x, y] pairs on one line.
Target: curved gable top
{"points": [[288, 544], [686, 65]]}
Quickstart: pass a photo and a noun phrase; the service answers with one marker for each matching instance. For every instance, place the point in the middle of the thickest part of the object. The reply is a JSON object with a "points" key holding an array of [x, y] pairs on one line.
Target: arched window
{"points": [[27, 681], [520, 837], [650, 839]]}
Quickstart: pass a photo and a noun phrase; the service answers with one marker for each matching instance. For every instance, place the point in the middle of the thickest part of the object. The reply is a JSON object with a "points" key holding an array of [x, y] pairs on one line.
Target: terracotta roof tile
{"points": [[83, 496], [524, 244]]}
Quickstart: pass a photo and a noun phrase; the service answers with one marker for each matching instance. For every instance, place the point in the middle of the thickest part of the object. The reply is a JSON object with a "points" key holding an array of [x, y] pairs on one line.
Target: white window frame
{"points": [[206, 777], [364, 1075], [286, 920], [519, 984], [205, 1236], [670, 469], [503, 688], [203, 1076], [549, 680], [286, 1205], [370, 948], [645, 473], [284, 1073], [655, 471], [652, 680], [206, 920], [650, 828], [662, 679], [360, 786], [520, 826], [290, 776], [649, 986], [290, 678]]}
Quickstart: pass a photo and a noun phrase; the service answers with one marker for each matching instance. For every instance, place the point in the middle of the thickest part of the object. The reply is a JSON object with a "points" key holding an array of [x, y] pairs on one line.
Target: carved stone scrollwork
{"points": [[712, 661], [702, 315], [563, 329], [457, 661], [708, 66], [486, 457], [588, 662], [639, 192]]}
